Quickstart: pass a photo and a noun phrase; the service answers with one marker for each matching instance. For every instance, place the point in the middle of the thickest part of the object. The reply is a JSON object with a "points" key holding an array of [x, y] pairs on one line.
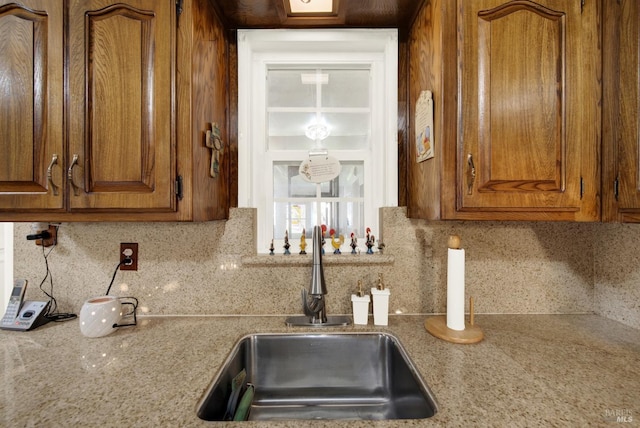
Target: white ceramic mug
{"points": [[100, 315]]}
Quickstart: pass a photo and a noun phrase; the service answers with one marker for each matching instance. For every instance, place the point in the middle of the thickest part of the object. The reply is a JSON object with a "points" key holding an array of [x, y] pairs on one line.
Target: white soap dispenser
{"points": [[380, 295], [360, 303]]}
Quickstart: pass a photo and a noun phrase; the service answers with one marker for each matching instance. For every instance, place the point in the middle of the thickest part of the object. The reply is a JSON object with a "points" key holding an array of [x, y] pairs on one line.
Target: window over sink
{"points": [[306, 93]]}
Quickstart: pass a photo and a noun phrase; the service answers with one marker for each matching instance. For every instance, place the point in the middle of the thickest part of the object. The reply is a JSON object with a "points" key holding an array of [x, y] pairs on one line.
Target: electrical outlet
{"points": [[129, 250]]}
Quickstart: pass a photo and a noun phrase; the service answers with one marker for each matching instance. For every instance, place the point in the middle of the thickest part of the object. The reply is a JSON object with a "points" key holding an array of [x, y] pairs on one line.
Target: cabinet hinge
{"points": [[581, 187], [582, 5], [178, 11], [616, 187], [179, 187]]}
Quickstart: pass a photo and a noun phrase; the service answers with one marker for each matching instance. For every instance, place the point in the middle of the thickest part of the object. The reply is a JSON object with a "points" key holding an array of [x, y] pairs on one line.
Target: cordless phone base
{"points": [[31, 316]]}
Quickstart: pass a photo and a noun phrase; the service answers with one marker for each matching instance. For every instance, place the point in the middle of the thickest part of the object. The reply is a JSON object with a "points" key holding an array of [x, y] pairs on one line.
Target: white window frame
{"points": [[259, 49]]}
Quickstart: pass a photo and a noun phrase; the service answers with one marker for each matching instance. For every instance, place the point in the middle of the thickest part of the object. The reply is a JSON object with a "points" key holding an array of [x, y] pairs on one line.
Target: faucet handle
{"points": [[315, 306]]}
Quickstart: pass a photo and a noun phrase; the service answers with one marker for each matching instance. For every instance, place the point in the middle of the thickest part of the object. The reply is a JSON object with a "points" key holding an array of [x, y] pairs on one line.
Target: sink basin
{"points": [[322, 376]]}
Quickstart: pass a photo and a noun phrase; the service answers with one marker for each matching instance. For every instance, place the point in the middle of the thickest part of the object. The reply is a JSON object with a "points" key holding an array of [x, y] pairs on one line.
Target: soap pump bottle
{"points": [[360, 303], [380, 296]]}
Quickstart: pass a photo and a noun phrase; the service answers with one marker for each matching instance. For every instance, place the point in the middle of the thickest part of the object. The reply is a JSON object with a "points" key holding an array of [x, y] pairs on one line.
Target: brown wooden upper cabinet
{"points": [[621, 111], [31, 104], [517, 110], [120, 79], [129, 78]]}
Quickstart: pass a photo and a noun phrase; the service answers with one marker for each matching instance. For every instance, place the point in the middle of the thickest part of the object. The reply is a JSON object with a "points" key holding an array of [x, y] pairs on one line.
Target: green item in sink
{"points": [[242, 413], [236, 387]]}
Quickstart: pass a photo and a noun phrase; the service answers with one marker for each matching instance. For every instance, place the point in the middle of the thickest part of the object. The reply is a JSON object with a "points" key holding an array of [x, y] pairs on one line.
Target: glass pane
{"points": [[346, 88], [344, 218], [289, 124], [290, 143], [294, 217], [351, 180], [331, 143], [347, 124], [285, 89], [287, 182], [347, 131], [286, 131], [353, 142]]}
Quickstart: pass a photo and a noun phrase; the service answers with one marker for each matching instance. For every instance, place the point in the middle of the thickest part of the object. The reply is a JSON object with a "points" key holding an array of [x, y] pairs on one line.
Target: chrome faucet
{"points": [[314, 301]]}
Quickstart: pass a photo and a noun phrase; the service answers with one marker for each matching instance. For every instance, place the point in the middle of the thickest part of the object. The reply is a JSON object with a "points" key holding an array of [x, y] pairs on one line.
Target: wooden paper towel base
{"points": [[437, 326]]}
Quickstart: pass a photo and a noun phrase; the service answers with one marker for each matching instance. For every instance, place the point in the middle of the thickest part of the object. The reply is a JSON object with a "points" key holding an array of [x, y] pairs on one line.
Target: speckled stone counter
{"points": [[531, 370]]}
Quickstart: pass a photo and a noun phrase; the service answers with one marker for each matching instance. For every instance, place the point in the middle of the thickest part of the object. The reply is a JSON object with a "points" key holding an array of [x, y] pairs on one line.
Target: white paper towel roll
{"points": [[455, 289]]}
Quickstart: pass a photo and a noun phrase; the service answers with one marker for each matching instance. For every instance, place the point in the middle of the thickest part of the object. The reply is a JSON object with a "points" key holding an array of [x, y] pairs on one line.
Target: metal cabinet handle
{"points": [[213, 140], [52, 185], [74, 162], [471, 174]]}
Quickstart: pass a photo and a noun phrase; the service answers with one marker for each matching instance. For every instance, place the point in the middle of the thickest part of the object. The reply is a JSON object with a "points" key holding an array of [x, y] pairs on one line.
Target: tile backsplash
{"points": [[210, 268]]}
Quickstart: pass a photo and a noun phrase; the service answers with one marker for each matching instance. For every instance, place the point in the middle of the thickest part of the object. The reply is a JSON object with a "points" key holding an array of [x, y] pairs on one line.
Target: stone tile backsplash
{"points": [[198, 269]]}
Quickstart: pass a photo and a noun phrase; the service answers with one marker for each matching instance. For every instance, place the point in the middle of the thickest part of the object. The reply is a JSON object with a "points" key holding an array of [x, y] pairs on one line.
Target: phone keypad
{"points": [[12, 312]]}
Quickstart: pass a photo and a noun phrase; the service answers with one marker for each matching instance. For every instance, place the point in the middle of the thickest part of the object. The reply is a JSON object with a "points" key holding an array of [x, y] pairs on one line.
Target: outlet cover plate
{"points": [[133, 246]]}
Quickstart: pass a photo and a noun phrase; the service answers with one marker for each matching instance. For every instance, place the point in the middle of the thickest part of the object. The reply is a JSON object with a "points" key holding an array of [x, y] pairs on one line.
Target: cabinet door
{"points": [[121, 145], [31, 94], [529, 109], [621, 132]]}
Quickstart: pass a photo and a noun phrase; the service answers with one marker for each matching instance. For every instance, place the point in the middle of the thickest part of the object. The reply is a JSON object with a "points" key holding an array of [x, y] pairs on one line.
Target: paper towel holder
{"points": [[437, 326]]}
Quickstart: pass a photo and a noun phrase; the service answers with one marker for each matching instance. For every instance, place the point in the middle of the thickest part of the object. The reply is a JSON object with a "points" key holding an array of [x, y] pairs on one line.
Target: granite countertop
{"points": [[530, 370]]}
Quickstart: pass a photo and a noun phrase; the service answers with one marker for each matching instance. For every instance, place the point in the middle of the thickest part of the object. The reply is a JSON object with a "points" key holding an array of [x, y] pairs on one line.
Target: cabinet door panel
{"points": [[629, 155], [31, 105], [523, 97], [622, 105], [120, 69], [520, 99]]}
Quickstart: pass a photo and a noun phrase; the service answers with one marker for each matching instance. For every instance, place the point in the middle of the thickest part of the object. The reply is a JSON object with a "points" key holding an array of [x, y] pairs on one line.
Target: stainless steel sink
{"points": [[322, 376]]}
